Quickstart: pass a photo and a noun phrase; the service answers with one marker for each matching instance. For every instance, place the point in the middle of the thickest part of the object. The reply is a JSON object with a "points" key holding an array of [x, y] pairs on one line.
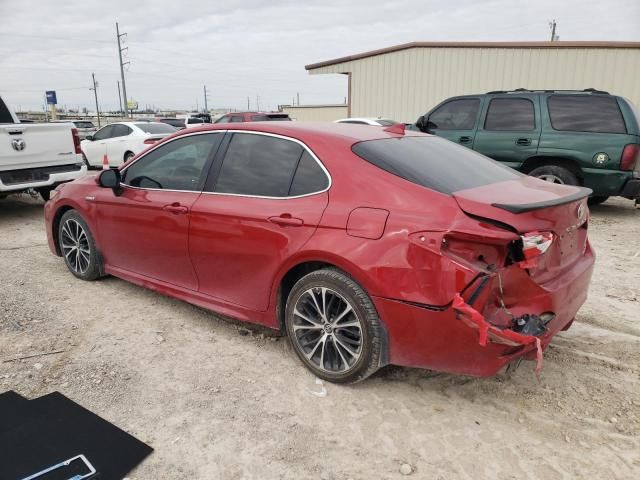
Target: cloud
{"points": [[249, 48]]}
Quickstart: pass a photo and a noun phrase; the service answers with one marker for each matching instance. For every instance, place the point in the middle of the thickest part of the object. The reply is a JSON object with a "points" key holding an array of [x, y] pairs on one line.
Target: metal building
{"points": [[405, 81]]}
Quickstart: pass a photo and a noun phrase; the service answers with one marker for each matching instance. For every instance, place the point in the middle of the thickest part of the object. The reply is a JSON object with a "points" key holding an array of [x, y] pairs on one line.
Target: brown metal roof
{"points": [[405, 46]]}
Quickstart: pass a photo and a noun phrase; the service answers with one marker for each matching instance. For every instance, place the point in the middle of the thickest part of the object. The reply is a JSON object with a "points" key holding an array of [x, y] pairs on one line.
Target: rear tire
{"points": [[45, 193], [128, 156], [555, 174], [597, 200], [78, 247], [334, 327]]}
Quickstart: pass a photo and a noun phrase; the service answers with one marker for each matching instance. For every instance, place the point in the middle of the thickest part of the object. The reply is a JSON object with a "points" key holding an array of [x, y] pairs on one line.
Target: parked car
{"points": [[238, 117], [85, 127], [587, 138], [366, 246], [122, 141], [181, 123], [36, 156], [378, 122]]}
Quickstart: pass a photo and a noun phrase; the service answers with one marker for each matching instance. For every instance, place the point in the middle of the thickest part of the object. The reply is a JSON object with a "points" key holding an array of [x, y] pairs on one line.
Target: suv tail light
{"points": [[630, 156], [76, 140]]}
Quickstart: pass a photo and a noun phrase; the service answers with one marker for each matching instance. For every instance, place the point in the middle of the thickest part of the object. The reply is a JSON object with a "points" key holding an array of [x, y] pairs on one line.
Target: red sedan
{"points": [[367, 246]]}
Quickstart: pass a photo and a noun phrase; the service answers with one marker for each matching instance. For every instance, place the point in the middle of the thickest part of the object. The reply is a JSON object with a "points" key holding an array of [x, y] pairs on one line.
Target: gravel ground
{"points": [[216, 400]]}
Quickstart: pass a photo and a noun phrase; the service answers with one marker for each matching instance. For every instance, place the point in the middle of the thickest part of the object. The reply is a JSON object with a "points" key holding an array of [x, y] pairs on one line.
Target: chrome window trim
{"points": [[252, 132]]}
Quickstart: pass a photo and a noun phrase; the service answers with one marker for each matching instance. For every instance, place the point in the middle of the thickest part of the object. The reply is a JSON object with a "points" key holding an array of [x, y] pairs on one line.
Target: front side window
{"points": [[177, 165], [585, 113], [104, 133], [456, 115], [434, 163], [260, 165], [510, 114]]}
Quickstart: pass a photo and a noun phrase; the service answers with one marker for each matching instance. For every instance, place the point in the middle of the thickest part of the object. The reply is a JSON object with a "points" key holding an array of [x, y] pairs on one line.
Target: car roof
{"points": [[308, 130]]}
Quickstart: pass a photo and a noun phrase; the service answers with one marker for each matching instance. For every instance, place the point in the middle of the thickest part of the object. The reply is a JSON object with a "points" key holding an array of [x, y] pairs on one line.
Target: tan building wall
{"points": [[404, 82], [315, 113]]}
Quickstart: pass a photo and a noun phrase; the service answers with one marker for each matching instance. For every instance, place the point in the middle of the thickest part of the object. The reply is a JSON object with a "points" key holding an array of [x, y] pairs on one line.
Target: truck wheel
{"points": [[597, 199], [555, 174], [45, 193], [334, 327]]}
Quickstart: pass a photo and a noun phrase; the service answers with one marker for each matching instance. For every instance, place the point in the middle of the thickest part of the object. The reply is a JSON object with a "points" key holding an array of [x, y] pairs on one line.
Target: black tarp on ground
{"points": [[35, 434]]}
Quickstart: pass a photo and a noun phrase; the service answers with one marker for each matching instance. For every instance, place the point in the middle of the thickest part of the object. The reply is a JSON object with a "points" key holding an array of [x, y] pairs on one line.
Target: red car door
{"points": [[263, 202], [144, 229]]}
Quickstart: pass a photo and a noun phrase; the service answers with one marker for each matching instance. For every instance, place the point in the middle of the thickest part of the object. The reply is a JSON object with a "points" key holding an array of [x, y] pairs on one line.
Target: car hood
{"points": [[526, 204]]}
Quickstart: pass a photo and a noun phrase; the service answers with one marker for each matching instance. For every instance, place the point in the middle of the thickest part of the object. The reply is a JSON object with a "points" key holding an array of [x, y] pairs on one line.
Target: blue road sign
{"points": [[51, 97]]}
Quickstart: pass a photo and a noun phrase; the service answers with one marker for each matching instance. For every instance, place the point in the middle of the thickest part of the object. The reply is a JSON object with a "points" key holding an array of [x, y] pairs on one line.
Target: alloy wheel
{"points": [[75, 246], [327, 330], [548, 177]]}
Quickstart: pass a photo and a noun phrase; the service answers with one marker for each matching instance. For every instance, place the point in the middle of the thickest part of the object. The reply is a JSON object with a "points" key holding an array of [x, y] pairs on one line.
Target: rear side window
{"points": [[510, 114], [433, 162], [120, 130], [456, 115], [258, 165], [585, 113], [5, 115], [309, 177], [236, 119]]}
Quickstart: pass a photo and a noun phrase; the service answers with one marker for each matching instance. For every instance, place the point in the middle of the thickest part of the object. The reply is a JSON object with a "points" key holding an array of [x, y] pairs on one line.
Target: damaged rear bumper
{"points": [[444, 338]]}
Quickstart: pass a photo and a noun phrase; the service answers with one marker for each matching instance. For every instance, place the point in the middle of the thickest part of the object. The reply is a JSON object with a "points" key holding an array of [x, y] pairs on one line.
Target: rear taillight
{"points": [[630, 156], [150, 141], [534, 244], [76, 140]]}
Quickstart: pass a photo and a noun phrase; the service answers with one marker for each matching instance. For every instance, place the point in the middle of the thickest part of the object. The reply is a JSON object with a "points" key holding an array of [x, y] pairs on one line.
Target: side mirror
{"points": [[421, 123], [89, 137], [110, 179]]}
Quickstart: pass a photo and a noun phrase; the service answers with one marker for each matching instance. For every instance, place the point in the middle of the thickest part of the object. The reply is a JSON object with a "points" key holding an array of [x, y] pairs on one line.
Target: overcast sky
{"points": [[249, 48]]}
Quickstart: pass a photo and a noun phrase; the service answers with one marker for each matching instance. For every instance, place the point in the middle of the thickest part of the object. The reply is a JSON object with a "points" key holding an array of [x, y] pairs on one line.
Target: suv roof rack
{"points": [[586, 90]]}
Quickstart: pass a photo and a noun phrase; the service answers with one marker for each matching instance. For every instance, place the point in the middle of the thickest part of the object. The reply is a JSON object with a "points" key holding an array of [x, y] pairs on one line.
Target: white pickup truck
{"points": [[37, 156]]}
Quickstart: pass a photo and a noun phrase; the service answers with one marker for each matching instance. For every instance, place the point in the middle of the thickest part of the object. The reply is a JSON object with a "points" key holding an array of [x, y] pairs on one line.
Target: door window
{"points": [[104, 133], [120, 130], [585, 113], [177, 165], [260, 165], [510, 114], [456, 115], [236, 119]]}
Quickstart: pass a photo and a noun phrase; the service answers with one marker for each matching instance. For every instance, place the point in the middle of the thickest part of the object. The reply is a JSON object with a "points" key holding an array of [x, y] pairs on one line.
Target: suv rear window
{"points": [[84, 124], [585, 113], [433, 162]]}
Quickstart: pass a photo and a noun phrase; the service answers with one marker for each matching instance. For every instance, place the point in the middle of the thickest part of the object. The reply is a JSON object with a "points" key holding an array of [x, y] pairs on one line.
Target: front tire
{"points": [[78, 247], [334, 327], [555, 174]]}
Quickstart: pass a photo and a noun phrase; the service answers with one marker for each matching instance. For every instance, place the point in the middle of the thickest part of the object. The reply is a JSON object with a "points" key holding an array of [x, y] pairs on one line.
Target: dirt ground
{"points": [[218, 402]]}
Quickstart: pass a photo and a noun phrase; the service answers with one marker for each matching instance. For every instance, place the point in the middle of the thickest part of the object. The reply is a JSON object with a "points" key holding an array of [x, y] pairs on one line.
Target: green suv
{"points": [[586, 137]]}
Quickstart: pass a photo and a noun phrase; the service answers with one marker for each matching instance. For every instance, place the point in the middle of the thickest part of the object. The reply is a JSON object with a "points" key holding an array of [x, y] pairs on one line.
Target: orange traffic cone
{"points": [[105, 162]]}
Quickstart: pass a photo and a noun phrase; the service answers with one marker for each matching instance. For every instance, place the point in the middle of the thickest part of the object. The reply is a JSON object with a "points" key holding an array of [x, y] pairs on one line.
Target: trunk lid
{"points": [[528, 205]]}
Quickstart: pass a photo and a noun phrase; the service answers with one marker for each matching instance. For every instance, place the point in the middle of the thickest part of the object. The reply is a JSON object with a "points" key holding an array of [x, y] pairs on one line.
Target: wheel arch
{"points": [[538, 161], [55, 225]]}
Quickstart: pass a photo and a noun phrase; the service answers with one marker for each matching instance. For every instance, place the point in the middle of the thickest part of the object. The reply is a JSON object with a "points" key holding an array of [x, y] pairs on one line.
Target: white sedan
{"points": [[379, 122], [121, 141]]}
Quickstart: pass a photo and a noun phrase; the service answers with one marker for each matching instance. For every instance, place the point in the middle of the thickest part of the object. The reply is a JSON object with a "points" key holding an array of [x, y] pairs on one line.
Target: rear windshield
{"points": [[433, 162], [586, 113], [84, 124], [155, 127], [176, 122]]}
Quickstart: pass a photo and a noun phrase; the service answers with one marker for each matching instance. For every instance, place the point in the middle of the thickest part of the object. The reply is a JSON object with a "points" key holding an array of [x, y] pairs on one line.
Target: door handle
{"points": [[287, 220], [523, 141], [175, 208], [464, 139]]}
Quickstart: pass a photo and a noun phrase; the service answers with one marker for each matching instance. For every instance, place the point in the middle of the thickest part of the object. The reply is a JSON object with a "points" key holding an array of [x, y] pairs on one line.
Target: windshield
{"points": [[155, 127], [433, 162]]}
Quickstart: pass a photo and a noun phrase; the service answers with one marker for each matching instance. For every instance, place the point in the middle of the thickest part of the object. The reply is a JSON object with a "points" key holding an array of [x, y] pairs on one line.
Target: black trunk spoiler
{"points": [[528, 207]]}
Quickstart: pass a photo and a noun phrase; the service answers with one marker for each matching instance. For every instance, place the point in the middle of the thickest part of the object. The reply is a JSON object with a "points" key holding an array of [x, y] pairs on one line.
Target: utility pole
{"points": [[206, 108], [298, 97], [124, 86], [95, 93], [119, 99], [248, 104], [552, 26]]}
